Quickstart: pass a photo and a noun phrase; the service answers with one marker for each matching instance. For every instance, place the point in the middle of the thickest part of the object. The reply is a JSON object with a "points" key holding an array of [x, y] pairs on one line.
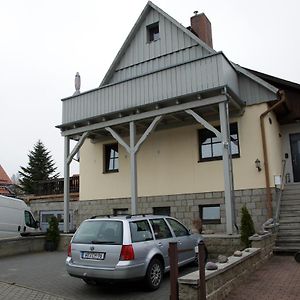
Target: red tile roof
{"points": [[4, 179]]}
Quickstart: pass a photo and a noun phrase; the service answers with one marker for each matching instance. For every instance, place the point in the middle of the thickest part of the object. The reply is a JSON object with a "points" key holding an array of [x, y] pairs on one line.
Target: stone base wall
{"points": [[223, 244], [220, 282], [184, 207], [21, 245]]}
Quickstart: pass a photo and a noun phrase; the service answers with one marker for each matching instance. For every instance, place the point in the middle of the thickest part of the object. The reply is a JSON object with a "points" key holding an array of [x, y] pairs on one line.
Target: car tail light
{"points": [[70, 250], [127, 252]]}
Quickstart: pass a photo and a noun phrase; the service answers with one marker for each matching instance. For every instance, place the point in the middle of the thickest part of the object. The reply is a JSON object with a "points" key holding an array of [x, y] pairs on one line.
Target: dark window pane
{"points": [[165, 211], [111, 158], [153, 32], [211, 147]]}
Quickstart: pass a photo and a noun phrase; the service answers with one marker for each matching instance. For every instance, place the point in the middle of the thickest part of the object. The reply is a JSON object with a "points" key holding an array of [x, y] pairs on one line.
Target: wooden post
{"points": [[201, 263], [173, 256]]}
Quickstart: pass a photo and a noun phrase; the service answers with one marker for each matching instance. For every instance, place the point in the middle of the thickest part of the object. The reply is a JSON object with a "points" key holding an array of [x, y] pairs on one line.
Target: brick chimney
{"points": [[202, 28]]}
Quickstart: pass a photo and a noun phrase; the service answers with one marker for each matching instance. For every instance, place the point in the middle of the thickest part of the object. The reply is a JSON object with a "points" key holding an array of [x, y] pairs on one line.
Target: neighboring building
{"points": [[6, 185], [48, 202], [169, 79]]}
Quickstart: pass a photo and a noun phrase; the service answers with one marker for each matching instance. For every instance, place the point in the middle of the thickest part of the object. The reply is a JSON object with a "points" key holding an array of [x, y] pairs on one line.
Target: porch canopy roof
{"points": [[198, 84]]}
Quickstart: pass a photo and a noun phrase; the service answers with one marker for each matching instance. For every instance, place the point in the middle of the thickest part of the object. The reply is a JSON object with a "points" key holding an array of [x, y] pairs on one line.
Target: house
{"points": [[177, 128], [5, 184]]}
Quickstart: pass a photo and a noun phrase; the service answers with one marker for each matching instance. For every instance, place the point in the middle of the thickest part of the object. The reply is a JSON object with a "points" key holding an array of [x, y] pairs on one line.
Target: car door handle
{"points": [[160, 244]]}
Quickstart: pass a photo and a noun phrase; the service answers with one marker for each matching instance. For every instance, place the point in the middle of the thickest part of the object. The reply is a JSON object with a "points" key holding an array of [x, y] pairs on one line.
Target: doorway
{"points": [[295, 153]]}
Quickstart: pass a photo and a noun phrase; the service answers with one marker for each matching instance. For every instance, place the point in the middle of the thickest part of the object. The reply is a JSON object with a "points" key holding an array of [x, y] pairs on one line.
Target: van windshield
{"points": [[99, 232]]}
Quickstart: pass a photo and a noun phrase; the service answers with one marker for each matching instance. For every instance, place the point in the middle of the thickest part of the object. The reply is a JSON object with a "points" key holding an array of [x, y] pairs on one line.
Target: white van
{"points": [[16, 218]]}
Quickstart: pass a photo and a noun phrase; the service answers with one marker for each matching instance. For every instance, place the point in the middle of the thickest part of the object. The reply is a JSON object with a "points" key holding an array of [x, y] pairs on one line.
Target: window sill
{"points": [[216, 158], [110, 172]]}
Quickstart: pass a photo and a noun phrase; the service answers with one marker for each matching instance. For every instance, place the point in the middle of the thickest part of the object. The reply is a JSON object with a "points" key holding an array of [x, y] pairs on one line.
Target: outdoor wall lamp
{"points": [[257, 165]]}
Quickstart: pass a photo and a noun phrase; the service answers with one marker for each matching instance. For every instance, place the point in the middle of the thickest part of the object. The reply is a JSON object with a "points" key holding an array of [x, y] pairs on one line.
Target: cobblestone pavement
{"points": [[26, 277], [15, 292], [277, 279]]}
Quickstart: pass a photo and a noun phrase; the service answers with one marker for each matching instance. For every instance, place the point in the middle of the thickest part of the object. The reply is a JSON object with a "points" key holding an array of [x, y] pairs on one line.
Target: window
{"points": [[178, 228], [210, 214], [164, 211], [120, 211], [211, 146], [152, 32], [111, 158], [160, 229], [29, 220], [100, 232], [140, 231]]}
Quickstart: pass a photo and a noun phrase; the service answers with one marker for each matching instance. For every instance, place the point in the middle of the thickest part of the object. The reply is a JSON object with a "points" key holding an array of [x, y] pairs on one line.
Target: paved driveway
{"points": [[45, 271], [278, 279]]}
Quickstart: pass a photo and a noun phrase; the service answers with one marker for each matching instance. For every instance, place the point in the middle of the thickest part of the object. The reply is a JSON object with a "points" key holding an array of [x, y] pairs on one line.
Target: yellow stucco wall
{"points": [[168, 162]]}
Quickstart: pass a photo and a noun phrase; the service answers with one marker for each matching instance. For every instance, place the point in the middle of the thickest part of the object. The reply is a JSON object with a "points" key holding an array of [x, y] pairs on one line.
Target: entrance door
{"points": [[295, 151]]}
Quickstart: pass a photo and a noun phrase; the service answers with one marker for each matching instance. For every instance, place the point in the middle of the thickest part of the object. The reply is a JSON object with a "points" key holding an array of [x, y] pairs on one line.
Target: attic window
{"points": [[153, 32]]}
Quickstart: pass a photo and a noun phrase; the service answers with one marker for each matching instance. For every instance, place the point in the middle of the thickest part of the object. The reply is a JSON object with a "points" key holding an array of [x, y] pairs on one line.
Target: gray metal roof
{"points": [[145, 75]]}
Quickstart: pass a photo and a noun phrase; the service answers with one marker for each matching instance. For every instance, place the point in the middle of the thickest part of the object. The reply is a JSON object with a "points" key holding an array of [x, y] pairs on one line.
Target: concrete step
{"points": [[282, 249], [287, 220], [292, 226], [290, 192], [290, 213], [290, 206], [289, 238], [290, 197], [288, 235], [292, 186]]}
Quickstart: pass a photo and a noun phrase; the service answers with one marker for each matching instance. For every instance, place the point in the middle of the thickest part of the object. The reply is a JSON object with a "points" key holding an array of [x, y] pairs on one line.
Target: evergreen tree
{"points": [[247, 227], [40, 167]]}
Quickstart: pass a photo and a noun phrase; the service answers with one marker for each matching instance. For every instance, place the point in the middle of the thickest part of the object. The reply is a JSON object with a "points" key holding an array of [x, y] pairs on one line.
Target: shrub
{"points": [[247, 227], [52, 235]]}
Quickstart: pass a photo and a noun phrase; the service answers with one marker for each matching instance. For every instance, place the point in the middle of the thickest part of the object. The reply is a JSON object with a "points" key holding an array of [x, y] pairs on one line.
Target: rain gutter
{"points": [[265, 152]]}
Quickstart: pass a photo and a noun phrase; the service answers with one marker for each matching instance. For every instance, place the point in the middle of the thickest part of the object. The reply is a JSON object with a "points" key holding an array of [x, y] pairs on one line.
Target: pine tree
{"points": [[40, 167], [247, 226]]}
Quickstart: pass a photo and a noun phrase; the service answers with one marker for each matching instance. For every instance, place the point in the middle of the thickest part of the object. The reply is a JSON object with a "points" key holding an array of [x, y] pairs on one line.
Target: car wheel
{"points": [[297, 257], [154, 274], [89, 281]]}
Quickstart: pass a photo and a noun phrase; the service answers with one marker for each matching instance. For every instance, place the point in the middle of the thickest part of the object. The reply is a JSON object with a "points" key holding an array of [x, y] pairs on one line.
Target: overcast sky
{"points": [[44, 43]]}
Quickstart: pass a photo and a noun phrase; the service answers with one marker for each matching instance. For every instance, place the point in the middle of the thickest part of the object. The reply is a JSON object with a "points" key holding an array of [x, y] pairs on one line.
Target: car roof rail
{"points": [[138, 215], [100, 216]]}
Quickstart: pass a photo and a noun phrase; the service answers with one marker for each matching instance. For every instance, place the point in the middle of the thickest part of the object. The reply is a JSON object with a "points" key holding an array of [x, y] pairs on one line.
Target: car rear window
{"points": [[100, 232]]}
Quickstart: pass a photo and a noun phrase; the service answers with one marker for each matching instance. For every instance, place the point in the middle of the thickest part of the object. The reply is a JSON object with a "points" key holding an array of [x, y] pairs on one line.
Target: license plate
{"points": [[93, 255]]}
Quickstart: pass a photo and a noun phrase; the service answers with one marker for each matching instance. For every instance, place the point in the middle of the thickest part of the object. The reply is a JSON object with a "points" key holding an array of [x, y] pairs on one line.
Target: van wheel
{"points": [[154, 274]]}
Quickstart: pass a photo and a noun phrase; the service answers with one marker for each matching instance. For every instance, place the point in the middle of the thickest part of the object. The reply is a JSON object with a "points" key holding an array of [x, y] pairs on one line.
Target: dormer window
{"points": [[153, 32]]}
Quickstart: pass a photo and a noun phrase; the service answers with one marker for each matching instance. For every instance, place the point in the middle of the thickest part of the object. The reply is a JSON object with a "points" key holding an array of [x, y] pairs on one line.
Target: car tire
{"points": [[297, 257], [154, 274]]}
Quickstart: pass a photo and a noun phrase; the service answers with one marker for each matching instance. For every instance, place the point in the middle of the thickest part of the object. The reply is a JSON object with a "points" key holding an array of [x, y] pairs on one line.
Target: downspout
{"points": [[265, 152]]}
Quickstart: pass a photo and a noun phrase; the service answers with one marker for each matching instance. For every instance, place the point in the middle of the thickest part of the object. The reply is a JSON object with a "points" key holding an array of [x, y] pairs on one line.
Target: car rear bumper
{"points": [[129, 271]]}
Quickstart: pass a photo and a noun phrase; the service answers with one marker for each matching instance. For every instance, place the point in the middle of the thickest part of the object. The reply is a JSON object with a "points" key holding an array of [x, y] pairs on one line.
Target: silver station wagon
{"points": [[128, 247]]}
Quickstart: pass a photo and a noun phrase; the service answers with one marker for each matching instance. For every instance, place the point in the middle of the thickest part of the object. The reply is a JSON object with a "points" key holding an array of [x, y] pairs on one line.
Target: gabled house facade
{"points": [[5, 184], [177, 128]]}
